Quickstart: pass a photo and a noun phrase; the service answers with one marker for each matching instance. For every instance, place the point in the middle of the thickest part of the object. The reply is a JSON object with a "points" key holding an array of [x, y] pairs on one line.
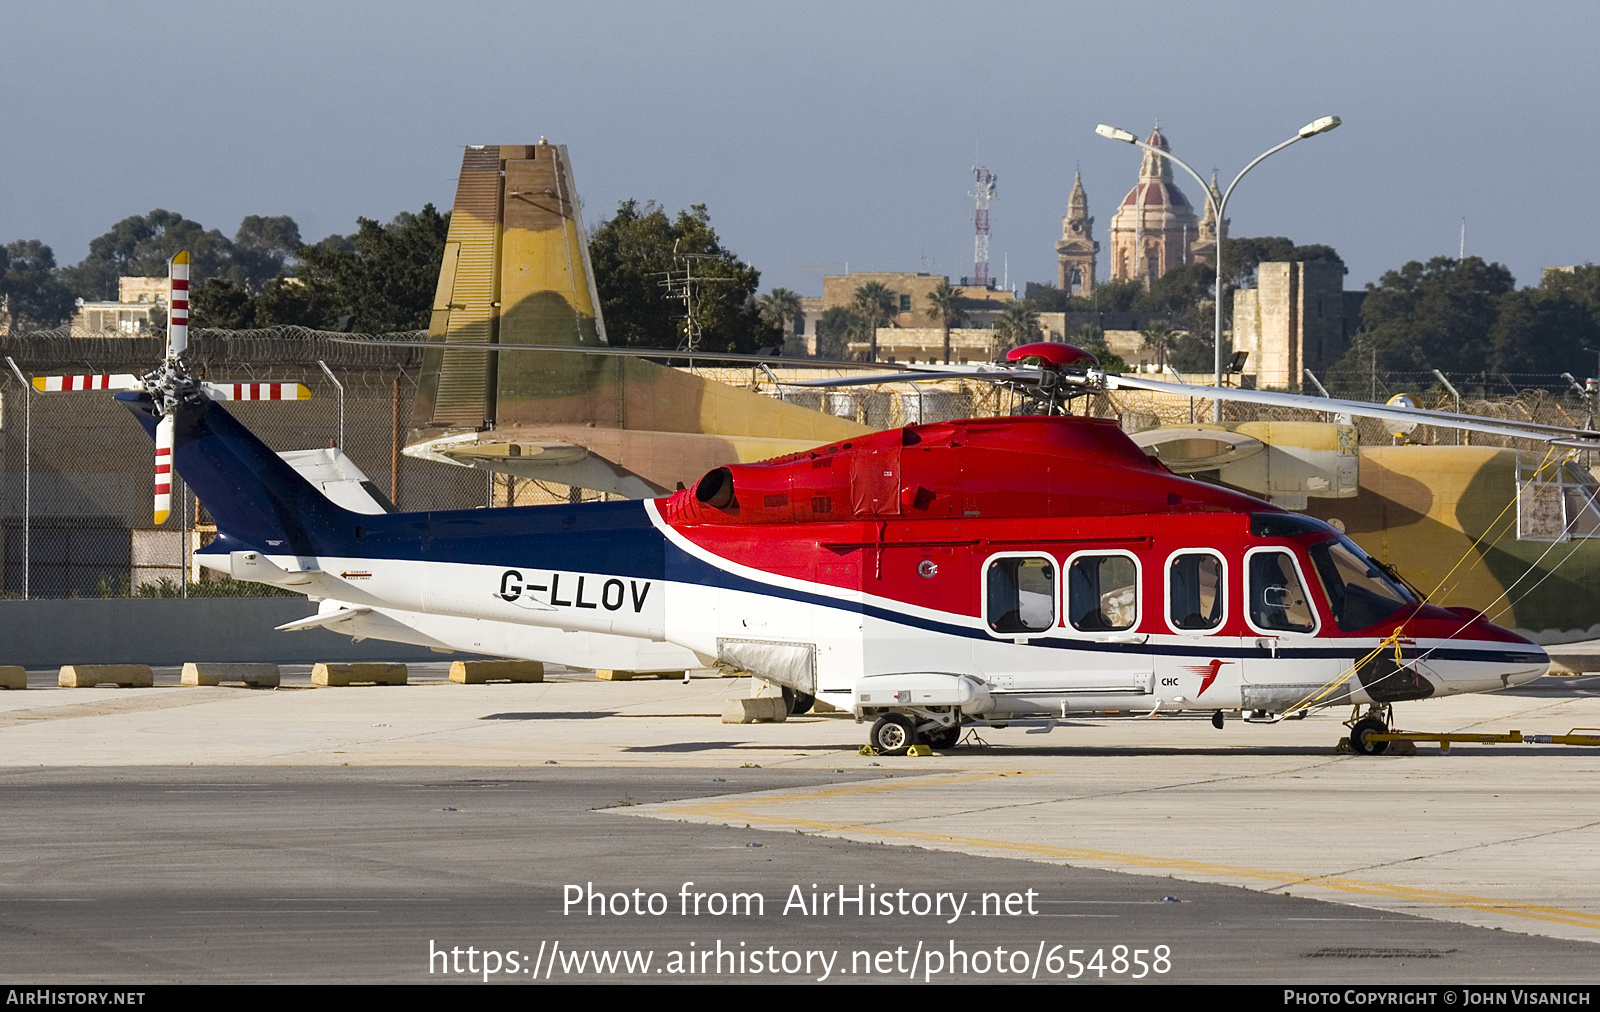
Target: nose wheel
{"points": [[1359, 732]]}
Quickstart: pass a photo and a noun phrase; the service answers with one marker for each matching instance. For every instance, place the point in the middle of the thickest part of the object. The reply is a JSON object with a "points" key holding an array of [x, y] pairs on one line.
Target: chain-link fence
{"points": [[75, 508]]}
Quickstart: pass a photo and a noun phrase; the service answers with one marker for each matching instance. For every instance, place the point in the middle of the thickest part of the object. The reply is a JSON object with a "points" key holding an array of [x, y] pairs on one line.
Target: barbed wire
{"points": [[78, 471]]}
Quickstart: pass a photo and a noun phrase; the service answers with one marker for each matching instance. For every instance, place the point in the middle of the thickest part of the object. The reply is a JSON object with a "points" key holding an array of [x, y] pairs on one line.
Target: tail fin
{"points": [[258, 501]]}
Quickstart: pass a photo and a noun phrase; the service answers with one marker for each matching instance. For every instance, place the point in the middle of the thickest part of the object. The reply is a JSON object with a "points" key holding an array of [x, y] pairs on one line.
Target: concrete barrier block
{"points": [[124, 676], [13, 676], [760, 710], [256, 676], [610, 675], [479, 672], [372, 672]]}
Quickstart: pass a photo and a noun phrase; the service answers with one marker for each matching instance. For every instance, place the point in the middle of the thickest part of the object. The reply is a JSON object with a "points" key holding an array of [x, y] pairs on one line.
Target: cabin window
{"points": [[1360, 593], [1195, 591], [1021, 594], [1103, 592], [1278, 601]]}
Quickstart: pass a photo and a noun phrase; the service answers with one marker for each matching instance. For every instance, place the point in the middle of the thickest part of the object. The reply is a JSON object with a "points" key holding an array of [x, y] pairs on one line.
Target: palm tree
{"points": [[834, 328], [1161, 337], [944, 307], [1018, 324], [876, 304], [779, 308], [1088, 337]]}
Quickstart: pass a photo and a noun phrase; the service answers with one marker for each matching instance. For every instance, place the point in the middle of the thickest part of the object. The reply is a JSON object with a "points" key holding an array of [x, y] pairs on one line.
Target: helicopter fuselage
{"points": [[955, 572]]}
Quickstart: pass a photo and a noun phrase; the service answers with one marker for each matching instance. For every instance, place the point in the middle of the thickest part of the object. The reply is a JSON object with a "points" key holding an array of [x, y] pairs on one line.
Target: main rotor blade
{"points": [[592, 349], [1022, 374], [1583, 438]]}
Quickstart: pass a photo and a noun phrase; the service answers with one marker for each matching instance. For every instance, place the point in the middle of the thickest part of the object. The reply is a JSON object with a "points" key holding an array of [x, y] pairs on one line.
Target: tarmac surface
{"points": [[191, 834]]}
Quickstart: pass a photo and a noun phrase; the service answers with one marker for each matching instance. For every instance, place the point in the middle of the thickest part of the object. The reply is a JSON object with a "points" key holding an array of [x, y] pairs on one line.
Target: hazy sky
{"points": [[819, 133]]}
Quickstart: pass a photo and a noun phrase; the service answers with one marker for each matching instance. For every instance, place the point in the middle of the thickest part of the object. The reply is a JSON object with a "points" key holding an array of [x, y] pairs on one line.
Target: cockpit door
{"points": [[1289, 666]]}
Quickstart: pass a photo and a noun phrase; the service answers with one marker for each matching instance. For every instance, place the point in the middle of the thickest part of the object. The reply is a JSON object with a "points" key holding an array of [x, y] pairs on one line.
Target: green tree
{"points": [[222, 304], [834, 329], [1179, 292], [1538, 330], [1241, 256], [1111, 297], [779, 308], [1160, 337], [1092, 339], [1193, 351], [1426, 316], [946, 309], [1581, 284], [384, 275], [29, 285], [1018, 324], [1047, 298], [261, 249], [877, 305], [140, 246], [633, 252]]}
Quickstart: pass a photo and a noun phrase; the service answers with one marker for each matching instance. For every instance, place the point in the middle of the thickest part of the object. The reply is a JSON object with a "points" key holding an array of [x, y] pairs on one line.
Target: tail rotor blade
{"points": [[178, 304], [164, 440], [256, 391], [103, 381]]}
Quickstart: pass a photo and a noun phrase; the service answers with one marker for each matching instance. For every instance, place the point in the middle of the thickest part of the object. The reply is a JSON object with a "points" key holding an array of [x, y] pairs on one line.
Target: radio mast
{"points": [[983, 192]]}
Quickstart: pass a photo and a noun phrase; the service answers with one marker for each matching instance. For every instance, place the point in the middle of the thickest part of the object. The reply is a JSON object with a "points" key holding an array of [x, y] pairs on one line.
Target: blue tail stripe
{"points": [[262, 504]]}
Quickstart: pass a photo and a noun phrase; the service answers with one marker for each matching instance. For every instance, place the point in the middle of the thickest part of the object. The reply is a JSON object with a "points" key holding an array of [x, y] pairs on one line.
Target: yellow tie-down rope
{"points": [[1314, 700]]}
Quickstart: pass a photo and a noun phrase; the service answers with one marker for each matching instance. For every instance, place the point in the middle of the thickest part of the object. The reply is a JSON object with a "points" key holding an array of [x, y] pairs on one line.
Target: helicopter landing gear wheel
{"points": [[893, 734], [944, 738], [1358, 736]]}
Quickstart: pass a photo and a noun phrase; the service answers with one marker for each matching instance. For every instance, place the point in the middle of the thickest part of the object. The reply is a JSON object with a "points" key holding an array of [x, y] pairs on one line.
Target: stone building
{"points": [[1298, 317], [141, 308], [1156, 230], [1075, 253]]}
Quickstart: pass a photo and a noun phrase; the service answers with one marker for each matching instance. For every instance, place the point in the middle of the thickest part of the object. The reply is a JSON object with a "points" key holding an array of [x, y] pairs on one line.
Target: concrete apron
{"points": [[1500, 836]]}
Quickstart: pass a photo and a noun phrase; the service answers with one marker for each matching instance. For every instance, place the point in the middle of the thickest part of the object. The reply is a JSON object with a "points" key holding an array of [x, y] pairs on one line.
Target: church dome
{"points": [[1155, 227], [1157, 194]]}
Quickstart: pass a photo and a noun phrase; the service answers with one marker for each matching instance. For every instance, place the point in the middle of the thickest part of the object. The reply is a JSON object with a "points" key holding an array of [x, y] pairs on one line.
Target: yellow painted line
{"points": [[745, 809]]}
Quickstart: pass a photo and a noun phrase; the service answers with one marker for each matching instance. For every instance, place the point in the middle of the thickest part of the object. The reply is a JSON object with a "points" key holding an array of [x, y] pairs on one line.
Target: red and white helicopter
{"points": [[928, 578]]}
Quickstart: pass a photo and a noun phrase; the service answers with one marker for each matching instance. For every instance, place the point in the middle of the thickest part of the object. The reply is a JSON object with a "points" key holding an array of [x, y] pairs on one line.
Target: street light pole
{"points": [[1319, 126]]}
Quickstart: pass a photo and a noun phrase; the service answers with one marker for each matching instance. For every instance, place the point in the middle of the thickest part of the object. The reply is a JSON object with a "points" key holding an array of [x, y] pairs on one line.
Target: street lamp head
{"points": [[1114, 134], [1319, 126]]}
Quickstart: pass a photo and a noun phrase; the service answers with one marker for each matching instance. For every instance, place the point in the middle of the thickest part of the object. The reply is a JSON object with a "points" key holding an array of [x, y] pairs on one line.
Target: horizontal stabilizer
{"points": [[322, 620]]}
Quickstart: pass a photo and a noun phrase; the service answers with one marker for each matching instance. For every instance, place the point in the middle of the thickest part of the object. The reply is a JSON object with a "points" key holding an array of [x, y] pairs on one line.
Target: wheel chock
{"points": [[377, 673], [123, 676], [254, 676], [483, 672], [13, 676], [615, 675], [756, 710], [919, 750]]}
